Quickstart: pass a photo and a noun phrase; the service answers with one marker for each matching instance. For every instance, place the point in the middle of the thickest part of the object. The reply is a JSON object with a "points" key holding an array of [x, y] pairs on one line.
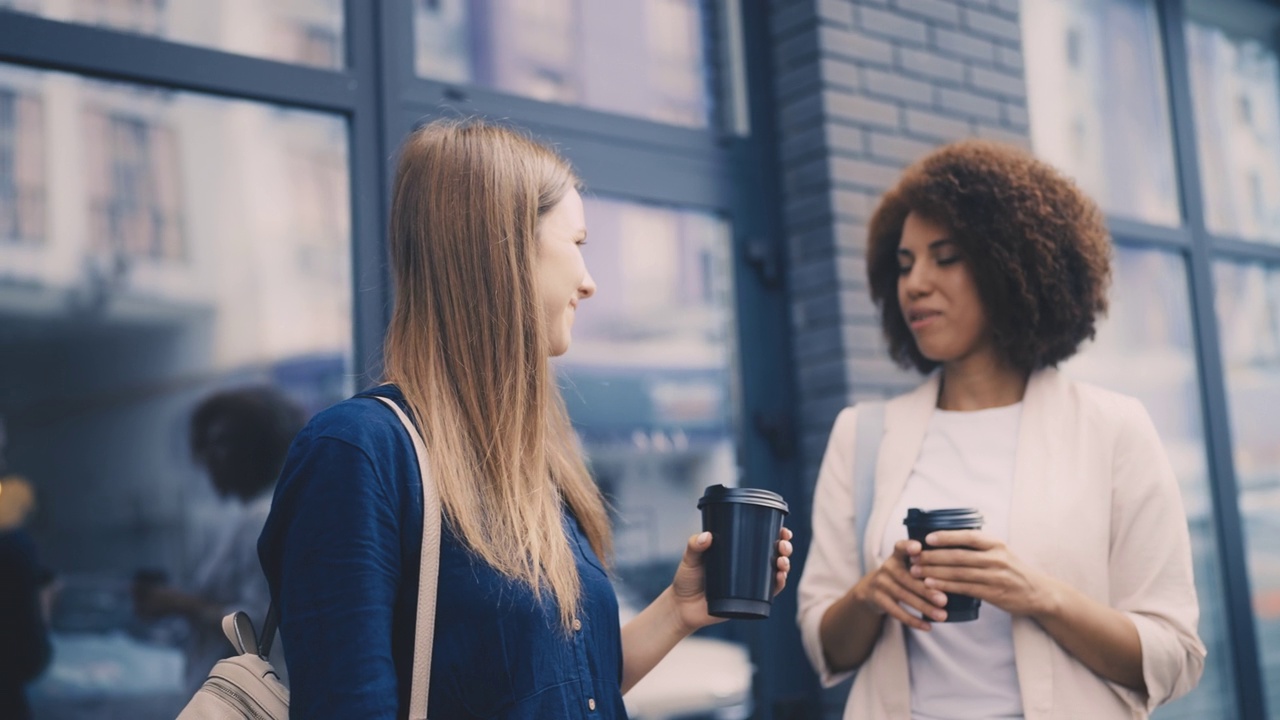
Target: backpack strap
{"points": [[239, 630], [428, 574], [870, 431], [269, 627]]}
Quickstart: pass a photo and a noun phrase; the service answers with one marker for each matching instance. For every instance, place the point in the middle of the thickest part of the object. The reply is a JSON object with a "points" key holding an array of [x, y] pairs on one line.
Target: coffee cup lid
{"points": [[750, 496], [947, 518]]}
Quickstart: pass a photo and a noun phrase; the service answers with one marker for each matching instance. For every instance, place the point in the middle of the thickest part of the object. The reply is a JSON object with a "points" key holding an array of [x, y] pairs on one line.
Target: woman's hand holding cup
{"points": [[891, 588], [971, 562]]}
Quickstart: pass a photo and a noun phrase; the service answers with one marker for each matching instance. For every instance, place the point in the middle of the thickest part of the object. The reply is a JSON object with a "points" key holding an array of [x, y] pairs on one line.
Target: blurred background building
{"points": [[193, 193]]}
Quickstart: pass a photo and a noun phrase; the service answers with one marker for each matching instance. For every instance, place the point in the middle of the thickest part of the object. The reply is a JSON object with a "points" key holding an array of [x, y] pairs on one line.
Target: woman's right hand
{"points": [[890, 587]]}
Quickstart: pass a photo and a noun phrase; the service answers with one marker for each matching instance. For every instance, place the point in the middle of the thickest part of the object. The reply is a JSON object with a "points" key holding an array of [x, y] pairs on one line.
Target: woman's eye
{"points": [[950, 260], [904, 269]]}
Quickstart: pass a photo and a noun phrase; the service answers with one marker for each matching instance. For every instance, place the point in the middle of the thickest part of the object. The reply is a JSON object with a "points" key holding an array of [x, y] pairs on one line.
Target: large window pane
{"points": [[1248, 304], [309, 32], [645, 58], [177, 244], [1096, 98], [649, 383], [1146, 348], [1235, 83]]}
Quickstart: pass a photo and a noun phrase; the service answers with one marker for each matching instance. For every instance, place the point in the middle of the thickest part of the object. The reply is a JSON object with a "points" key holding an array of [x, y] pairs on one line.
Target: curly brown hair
{"points": [[1037, 246]]}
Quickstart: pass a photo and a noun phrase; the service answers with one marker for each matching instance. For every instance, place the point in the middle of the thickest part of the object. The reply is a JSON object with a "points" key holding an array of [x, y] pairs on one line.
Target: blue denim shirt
{"points": [[341, 550]]}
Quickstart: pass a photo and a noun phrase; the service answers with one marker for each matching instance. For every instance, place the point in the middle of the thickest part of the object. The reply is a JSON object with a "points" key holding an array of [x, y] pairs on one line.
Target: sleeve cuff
{"points": [[1168, 670], [811, 637]]}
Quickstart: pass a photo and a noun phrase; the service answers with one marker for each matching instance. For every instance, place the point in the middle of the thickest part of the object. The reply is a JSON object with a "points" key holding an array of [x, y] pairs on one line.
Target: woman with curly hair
{"points": [[989, 269]]}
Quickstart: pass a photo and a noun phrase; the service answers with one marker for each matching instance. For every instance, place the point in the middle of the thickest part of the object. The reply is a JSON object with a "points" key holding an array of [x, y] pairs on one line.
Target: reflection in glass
{"points": [[1146, 349], [1096, 99], [22, 158], [649, 383], [648, 379], [1235, 83], [644, 58], [307, 32], [1248, 305], [167, 245]]}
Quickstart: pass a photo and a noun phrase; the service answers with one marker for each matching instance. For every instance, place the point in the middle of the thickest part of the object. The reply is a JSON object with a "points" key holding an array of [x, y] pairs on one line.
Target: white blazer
{"points": [[1095, 504]]}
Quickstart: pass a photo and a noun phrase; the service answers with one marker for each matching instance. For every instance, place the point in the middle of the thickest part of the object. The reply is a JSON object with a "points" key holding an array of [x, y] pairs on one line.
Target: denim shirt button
{"points": [[591, 704], [577, 625]]}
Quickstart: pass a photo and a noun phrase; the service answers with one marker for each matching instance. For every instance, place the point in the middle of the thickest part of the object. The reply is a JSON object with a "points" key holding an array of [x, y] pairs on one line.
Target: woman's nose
{"points": [[916, 282], [588, 286]]}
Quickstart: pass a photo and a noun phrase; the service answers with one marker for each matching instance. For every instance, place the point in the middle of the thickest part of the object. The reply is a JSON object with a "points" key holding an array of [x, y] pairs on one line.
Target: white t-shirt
{"points": [[963, 671], [229, 575]]}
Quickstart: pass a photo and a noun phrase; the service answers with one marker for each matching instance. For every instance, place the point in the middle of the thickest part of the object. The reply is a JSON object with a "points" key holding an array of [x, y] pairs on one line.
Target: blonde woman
{"points": [[486, 229]]}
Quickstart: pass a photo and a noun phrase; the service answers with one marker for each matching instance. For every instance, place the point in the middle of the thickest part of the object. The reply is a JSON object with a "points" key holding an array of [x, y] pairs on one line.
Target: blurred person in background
{"points": [[240, 438], [25, 650]]}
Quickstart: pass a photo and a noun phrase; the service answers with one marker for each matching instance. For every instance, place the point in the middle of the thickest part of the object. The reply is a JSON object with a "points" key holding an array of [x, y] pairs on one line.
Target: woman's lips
{"points": [[921, 320]]}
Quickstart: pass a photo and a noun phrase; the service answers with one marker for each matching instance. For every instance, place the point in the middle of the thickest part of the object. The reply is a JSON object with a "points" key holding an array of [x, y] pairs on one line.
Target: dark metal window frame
{"points": [[1199, 249], [379, 95]]}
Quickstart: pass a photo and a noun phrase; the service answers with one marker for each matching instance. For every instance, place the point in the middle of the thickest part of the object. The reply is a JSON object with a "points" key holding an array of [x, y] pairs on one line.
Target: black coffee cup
{"points": [[960, 608], [740, 564]]}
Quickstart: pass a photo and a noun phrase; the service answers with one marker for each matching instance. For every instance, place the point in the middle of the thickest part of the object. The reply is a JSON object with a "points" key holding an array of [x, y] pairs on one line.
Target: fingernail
{"points": [[940, 599], [916, 571], [704, 538], [940, 616], [931, 539]]}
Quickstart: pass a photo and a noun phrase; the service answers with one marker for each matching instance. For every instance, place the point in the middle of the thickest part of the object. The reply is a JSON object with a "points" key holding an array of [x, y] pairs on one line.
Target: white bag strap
{"points": [[870, 431], [428, 575]]}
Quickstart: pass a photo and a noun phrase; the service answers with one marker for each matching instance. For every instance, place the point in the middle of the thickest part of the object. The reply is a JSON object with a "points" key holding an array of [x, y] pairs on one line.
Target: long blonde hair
{"points": [[468, 348]]}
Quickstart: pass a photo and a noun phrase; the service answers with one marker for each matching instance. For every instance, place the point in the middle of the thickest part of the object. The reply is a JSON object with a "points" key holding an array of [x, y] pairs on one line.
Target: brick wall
{"points": [[863, 88]]}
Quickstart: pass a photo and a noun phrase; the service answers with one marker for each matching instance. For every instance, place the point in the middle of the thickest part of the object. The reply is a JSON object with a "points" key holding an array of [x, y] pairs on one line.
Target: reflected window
{"points": [[1097, 102], [193, 244], [22, 185], [650, 387], [645, 58], [308, 32], [1235, 84], [133, 185], [1146, 349], [1248, 309]]}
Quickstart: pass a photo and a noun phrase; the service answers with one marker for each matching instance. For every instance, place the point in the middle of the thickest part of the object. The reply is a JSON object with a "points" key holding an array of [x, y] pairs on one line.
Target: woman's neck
{"points": [[980, 382]]}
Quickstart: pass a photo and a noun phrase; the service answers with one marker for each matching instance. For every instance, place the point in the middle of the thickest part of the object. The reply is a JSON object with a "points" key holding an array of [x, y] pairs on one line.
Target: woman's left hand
{"points": [[689, 586], [971, 562]]}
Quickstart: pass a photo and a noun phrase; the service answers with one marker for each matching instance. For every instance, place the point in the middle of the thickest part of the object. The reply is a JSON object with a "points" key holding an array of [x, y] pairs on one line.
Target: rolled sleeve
{"points": [[1152, 580], [832, 565]]}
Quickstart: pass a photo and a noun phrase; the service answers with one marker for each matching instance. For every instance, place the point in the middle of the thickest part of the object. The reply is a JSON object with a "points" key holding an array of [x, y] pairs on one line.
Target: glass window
{"points": [[1097, 103], [1235, 84], [1248, 308], [22, 185], [308, 32], [1146, 349], [649, 383], [645, 58], [169, 245]]}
